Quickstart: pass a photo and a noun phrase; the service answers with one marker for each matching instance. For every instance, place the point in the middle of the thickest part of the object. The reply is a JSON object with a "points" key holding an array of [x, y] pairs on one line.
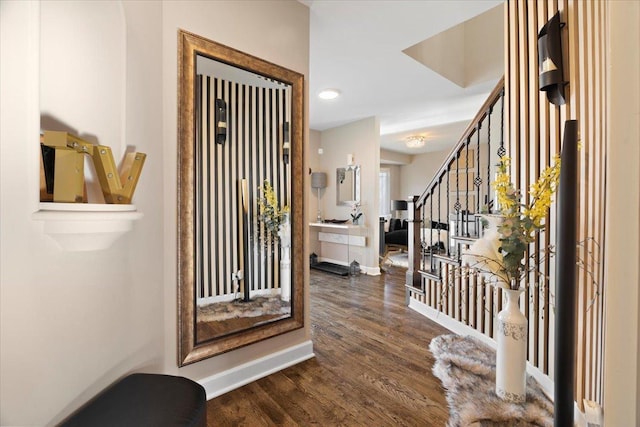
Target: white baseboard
{"points": [[219, 384], [461, 329], [370, 271], [449, 323]]}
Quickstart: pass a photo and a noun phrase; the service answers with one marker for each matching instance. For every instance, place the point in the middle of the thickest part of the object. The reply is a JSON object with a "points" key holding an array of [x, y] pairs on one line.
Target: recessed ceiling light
{"points": [[329, 94]]}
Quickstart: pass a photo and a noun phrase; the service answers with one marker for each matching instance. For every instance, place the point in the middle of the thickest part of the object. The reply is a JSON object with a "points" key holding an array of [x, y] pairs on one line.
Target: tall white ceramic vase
{"points": [[284, 232], [511, 356]]}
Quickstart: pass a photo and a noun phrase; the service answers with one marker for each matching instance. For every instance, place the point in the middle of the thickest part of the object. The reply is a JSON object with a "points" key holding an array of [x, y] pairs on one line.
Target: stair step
{"points": [[431, 274], [414, 289], [429, 252], [465, 239], [446, 259]]}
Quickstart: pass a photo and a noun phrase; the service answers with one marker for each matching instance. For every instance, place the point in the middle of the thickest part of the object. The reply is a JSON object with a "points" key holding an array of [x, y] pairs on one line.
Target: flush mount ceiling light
{"points": [[415, 141], [329, 94]]}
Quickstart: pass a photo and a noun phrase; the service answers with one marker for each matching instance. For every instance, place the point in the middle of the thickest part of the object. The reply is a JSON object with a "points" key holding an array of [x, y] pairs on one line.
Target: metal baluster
{"points": [[501, 150], [489, 157], [457, 206], [413, 277], [466, 214], [448, 245], [430, 248], [439, 210], [478, 179], [423, 261]]}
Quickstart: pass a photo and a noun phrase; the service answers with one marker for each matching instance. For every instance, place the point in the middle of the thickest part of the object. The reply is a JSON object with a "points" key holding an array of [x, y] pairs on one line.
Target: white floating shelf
{"points": [[86, 226], [343, 226]]}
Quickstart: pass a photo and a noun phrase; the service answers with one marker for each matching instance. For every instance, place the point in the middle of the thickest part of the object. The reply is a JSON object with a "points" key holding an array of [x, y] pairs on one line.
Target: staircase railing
{"points": [[443, 220]]}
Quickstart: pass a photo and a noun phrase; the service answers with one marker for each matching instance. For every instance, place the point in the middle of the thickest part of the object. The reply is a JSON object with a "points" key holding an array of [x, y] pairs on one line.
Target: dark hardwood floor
{"points": [[372, 364]]}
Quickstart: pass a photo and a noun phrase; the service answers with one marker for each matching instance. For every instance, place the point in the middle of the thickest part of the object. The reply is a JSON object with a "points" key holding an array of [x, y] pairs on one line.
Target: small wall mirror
{"points": [[348, 185], [240, 199]]}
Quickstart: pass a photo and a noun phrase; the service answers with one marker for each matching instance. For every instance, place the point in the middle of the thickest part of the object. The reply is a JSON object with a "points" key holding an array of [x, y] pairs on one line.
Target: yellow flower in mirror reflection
{"points": [[270, 213]]}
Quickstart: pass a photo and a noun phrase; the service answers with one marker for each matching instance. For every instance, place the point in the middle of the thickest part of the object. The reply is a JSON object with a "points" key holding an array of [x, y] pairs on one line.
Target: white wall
{"points": [[73, 323], [89, 40], [481, 63], [394, 157], [395, 174], [315, 165], [362, 139], [418, 174], [622, 259]]}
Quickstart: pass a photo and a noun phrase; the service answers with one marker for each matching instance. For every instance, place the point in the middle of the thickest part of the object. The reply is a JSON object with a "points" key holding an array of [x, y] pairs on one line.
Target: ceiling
{"points": [[357, 46]]}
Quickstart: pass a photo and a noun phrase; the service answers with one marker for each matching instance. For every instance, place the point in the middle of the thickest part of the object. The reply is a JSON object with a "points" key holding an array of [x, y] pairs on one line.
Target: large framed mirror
{"points": [[240, 199]]}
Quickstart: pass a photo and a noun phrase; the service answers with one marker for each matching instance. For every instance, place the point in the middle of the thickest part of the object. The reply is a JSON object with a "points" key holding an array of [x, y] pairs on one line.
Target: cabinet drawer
{"points": [[342, 239]]}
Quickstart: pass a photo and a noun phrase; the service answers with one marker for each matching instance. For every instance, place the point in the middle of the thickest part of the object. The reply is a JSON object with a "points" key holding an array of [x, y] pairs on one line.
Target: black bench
{"points": [[145, 400]]}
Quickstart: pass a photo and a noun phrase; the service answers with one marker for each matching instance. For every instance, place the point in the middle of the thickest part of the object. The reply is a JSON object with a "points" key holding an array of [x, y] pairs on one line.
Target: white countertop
{"points": [[333, 225]]}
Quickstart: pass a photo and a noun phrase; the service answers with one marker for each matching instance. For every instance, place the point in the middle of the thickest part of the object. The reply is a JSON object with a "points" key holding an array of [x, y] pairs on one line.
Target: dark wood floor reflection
{"points": [[372, 364]]}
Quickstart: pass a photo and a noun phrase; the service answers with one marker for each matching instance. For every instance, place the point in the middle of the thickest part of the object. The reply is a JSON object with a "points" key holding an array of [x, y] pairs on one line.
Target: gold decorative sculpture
{"points": [[68, 172]]}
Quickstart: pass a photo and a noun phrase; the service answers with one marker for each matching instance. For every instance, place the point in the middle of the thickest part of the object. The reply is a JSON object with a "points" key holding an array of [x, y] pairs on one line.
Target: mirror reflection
{"points": [[240, 199], [348, 185], [243, 189]]}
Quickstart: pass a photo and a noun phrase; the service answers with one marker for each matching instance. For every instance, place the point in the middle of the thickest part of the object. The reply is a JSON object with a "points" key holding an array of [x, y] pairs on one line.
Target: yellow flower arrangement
{"points": [[519, 226], [269, 211]]}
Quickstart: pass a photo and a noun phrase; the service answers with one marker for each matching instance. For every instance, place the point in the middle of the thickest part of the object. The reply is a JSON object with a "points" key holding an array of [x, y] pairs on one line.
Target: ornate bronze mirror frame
{"points": [[240, 199]]}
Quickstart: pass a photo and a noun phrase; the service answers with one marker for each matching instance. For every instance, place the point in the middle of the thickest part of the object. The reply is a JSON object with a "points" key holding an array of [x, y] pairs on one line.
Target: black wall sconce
{"points": [[221, 121], [550, 69], [285, 143]]}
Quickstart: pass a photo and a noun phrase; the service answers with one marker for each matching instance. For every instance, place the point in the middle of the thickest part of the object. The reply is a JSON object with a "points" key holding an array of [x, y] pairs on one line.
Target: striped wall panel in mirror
{"points": [[252, 151]]}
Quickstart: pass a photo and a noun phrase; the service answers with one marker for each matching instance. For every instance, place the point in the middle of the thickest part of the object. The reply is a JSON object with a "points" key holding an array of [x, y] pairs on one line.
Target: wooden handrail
{"points": [[493, 97], [423, 267]]}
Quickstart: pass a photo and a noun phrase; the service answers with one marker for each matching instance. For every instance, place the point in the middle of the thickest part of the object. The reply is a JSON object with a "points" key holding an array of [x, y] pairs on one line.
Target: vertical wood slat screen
{"points": [[533, 129], [252, 151]]}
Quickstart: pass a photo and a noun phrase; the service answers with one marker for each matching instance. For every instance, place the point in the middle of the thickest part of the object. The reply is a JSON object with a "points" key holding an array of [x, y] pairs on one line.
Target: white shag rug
{"points": [[258, 306], [467, 369], [399, 259]]}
